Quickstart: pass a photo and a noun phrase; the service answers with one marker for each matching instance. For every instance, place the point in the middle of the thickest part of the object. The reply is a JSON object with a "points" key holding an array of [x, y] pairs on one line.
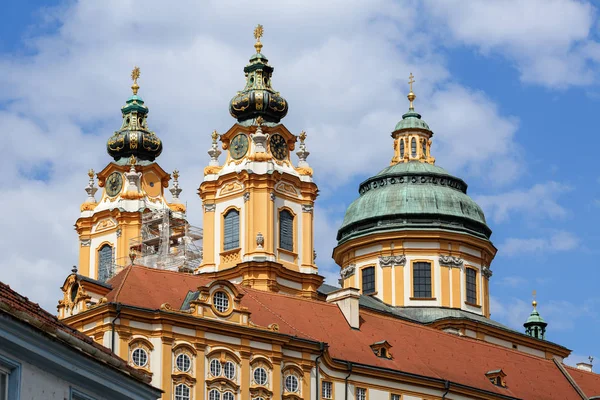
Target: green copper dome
{"points": [[134, 137], [535, 318], [411, 120], [413, 195], [258, 98]]}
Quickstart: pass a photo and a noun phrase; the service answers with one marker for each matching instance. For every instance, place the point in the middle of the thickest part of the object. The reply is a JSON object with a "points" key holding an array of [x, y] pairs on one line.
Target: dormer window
{"points": [[496, 377], [382, 349]]}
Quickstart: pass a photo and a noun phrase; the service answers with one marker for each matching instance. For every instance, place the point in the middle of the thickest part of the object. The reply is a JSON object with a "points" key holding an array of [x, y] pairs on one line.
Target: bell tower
{"points": [[130, 186], [258, 205]]}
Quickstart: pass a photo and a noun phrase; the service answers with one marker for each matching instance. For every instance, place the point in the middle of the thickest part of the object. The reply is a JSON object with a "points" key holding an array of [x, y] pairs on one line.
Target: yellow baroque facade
{"points": [[245, 315]]}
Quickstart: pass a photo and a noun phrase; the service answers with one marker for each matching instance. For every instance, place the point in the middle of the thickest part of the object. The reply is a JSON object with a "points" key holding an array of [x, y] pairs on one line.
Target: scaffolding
{"points": [[167, 241]]}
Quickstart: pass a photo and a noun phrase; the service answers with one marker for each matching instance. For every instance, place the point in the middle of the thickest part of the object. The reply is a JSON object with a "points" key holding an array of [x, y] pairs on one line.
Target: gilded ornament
{"points": [[135, 74], [133, 141], [258, 33], [258, 96]]}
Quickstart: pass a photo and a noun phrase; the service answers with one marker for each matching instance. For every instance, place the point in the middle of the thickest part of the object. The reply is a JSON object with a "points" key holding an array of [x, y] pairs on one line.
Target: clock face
{"points": [[114, 183], [278, 146], [238, 146]]}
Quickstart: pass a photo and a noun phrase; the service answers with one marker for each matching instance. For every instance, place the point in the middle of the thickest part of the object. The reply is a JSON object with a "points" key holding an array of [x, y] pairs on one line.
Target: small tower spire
{"points": [[135, 74], [258, 33], [411, 96], [535, 326]]}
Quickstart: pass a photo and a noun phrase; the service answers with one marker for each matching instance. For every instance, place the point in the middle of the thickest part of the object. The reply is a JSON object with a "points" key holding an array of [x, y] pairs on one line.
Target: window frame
{"points": [[225, 296], [146, 355], [75, 394], [181, 396], [234, 243], [323, 395], [217, 362], [413, 292], [12, 369], [362, 280], [413, 147], [356, 393], [475, 288], [182, 355], [285, 383], [254, 370], [291, 245], [402, 148], [99, 259]]}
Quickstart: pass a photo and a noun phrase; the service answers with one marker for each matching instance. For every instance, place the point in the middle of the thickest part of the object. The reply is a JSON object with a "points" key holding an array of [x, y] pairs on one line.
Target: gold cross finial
{"points": [[411, 96], [135, 74], [534, 302], [258, 33]]}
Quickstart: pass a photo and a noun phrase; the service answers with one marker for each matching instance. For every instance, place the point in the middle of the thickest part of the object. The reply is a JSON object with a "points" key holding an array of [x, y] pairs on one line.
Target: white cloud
{"points": [[342, 65], [558, 241], [541, 200], [548, 40]]}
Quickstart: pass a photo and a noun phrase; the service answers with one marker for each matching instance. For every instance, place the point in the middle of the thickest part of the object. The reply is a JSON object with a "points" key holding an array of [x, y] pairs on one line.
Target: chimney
{"points": [[347, 300], [582, 365]]}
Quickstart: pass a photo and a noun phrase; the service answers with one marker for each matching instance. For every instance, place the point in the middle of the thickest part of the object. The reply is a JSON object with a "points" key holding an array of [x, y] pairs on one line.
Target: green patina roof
{"points": [[413, 195], [411, 120], [535, 318]]}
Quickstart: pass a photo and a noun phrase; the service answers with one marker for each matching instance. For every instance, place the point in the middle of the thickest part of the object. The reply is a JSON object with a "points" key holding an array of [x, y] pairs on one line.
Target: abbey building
{"points": [[236, 310]]}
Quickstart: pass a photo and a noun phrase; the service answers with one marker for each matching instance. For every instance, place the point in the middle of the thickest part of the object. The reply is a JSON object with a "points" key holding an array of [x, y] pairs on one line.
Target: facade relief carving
{"points": [[348, 271], [487, 272], [389, 261], [451, 261]]}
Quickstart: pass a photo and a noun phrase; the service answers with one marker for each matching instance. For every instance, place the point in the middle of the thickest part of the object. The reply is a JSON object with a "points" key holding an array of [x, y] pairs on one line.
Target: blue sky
{"points": [[510, 89]]}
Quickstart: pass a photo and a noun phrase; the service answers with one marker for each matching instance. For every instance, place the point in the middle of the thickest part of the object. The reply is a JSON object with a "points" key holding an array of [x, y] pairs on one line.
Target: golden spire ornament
{"points": [[135, 74], [258, 33], [411, 96], [534, 302]]}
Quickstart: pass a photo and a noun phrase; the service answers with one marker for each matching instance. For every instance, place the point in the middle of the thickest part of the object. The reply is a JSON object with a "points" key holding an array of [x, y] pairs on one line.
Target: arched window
{"points": [[231, 230], [471, 286], [182, 392], [422, 279], [260, 376], [401, 148], [105, 260], [214, 394], [413, 147], [183, 362], [424, 144], [286, 230], [368, 280]]}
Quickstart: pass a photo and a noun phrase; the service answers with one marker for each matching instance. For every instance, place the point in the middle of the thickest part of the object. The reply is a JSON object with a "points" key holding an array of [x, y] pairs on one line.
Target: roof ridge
{"points": [[431, 329], [287, 295], [280, 317], [581, 370], [570, 379], [127, 271]]}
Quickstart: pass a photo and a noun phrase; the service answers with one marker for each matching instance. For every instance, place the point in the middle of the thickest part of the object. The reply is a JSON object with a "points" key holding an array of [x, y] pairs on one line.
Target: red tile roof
{"points": [[22, 309], [589, 382], [416, 349]]}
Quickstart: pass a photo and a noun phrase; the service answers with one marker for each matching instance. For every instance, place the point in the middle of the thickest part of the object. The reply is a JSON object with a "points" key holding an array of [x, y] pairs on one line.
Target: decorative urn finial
{"points": [[134, 137], [258, 98]]}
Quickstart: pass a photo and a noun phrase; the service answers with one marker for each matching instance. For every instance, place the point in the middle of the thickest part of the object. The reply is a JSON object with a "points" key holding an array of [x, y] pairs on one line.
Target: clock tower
{"points": [[258, 204], [131, 186]]}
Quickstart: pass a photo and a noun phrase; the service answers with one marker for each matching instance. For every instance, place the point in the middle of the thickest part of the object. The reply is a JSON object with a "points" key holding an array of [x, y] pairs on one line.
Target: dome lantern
{"points": [[258, 98], [134, 138]]}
